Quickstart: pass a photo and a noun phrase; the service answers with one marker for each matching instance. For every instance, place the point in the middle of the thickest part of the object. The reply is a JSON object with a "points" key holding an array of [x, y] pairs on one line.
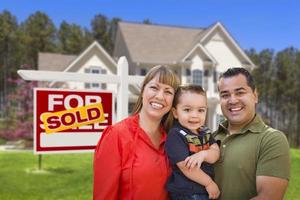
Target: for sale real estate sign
{"points": [[70, 120]]}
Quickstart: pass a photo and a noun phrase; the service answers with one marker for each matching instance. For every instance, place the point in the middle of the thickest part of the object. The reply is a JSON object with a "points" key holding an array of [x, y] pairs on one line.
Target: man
{"points": [[254, 162]]}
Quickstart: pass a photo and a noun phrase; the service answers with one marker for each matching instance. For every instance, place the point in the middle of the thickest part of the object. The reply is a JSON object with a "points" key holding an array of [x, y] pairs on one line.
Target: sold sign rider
{"points": [[69, 120]]}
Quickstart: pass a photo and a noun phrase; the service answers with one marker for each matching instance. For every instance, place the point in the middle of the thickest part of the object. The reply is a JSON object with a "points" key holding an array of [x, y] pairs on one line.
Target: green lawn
{"points": [[293, 192], [65, 176], [70, 176]]}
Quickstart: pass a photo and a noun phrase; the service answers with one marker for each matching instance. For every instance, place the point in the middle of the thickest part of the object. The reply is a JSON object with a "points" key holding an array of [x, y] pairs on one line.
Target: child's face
{"points": [[191, 110]]}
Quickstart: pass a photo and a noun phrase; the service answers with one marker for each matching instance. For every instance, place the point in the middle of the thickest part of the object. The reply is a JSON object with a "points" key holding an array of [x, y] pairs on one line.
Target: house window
{"points": [[103, 85], [187, 72], [205, 79], [197, 77], [95, 70], [143, 72], [216, 77], [206, 72]]}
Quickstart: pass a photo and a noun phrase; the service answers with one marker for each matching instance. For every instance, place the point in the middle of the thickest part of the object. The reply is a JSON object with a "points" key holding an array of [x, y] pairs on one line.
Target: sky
{"points": [[257, 24]]}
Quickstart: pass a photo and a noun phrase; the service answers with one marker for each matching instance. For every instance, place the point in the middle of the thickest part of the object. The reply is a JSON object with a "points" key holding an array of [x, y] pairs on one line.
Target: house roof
{"points": [[148, 43], [94, 49], [54, 61], [61, 62], [156, 43]]}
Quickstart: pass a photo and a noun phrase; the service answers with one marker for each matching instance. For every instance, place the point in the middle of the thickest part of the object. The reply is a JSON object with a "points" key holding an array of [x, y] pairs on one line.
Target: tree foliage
{"points": [[104, 31], [277, 74], [277, 79], [19, 123], [72, 38], [39, 36], [19, 46], [9, 53]]}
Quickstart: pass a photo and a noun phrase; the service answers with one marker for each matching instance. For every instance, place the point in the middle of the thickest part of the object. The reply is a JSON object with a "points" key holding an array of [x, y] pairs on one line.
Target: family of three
{"points": [[164, 151]]}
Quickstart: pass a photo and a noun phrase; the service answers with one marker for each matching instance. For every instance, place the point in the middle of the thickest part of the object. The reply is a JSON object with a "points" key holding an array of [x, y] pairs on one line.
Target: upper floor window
{"points": [[143, 72], [216, 78], [95, 70], [197, 76]]}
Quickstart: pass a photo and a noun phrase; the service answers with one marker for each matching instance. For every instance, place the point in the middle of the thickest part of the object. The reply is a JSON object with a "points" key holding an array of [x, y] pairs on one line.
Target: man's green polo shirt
{"points": [[258, 150]]}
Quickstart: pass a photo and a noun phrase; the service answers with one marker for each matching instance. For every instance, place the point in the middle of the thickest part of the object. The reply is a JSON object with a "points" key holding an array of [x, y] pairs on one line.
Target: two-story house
{"points": [[197, 55]]}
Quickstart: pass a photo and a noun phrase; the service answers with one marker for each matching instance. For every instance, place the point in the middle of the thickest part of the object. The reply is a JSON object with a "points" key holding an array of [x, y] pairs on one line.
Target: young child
{"points": [[191, 148]]}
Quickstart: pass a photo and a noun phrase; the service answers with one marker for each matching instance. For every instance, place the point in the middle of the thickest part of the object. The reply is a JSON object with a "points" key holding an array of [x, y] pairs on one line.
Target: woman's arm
{"points": [[107, 166]]}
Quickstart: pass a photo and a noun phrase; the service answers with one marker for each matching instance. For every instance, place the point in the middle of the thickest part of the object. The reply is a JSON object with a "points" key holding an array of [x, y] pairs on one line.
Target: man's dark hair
{"points": [[239, 70]]}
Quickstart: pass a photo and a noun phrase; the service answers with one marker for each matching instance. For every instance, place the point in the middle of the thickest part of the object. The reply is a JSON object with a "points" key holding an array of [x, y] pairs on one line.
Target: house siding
{"points": [[97, 62]]}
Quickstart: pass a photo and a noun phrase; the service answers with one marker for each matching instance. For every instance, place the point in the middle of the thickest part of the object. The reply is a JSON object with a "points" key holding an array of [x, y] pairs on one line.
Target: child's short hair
{"points": [[187, 88]]}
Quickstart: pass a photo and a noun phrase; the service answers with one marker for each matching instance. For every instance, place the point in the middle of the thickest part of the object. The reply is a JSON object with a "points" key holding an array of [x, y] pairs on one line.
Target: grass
{"points": [[293, 192], [2, 141], [64, 176], [70, 176]]}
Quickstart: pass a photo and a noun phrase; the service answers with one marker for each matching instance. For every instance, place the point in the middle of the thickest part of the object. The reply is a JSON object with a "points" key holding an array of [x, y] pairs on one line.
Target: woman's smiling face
{"points": [[157, 98]]}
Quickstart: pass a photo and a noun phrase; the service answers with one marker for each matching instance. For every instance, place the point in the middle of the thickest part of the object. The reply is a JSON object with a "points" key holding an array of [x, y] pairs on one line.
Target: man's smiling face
{"points": [[237, 100]]}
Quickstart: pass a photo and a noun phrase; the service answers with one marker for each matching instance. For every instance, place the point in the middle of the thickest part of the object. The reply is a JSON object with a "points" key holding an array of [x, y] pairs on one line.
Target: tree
{"points": [[287, 76], [147, 21], [8, 53], [297, 95], [112, 32], [100, 27], [104, 31], [262, 73], [19, 123], [72, 38], [277, 79], [39, 36]]}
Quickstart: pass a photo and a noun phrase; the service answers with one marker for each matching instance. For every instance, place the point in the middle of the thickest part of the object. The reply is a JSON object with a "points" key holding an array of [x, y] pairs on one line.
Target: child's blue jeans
{"points": [[175, 196]]}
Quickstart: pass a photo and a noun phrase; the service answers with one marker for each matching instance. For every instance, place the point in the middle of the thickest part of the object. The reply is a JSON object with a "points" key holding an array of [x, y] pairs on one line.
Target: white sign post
{"points": [[122, 79]]}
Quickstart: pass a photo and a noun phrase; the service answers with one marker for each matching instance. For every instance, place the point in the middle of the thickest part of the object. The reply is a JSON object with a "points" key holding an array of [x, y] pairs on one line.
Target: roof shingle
{"points": [[158, 44], [54, 61]]}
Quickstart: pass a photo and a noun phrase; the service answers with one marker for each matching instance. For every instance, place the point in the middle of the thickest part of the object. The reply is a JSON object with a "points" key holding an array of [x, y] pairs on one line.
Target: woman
{"points": [[130, 161]]}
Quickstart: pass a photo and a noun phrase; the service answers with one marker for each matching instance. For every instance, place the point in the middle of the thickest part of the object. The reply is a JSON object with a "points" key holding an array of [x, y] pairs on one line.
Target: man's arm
{"points": [[273, 168], [270, 188]]}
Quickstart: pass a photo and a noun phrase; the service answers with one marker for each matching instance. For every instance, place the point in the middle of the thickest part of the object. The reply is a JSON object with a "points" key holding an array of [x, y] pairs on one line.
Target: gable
{"points": [[93, 50], [94, 55], [223, 54], [224, 48], [202, 53]]}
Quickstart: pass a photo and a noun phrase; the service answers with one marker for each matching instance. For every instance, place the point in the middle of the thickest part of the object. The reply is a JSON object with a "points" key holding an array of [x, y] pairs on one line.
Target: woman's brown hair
{"points": [[166, 76]]}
